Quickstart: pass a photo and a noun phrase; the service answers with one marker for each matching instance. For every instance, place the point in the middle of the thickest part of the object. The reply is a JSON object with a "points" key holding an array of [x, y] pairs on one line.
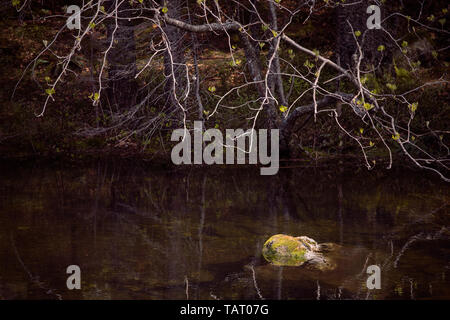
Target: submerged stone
{"points": [[285, 250]]}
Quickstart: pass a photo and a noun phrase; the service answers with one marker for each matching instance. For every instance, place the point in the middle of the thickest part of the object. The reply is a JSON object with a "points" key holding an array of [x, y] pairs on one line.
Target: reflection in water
{"points": [[141, 233]]}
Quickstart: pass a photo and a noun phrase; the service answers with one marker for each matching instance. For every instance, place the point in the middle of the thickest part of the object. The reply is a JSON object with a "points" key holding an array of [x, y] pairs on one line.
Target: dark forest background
{"points": [[168, 63]]}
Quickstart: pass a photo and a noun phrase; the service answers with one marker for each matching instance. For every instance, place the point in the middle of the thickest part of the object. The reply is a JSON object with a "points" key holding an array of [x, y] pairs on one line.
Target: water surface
{"points": [[143, 233]]}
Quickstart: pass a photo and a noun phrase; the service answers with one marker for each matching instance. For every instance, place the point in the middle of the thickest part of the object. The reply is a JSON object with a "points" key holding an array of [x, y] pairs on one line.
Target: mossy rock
{"points": [[285, 250]]}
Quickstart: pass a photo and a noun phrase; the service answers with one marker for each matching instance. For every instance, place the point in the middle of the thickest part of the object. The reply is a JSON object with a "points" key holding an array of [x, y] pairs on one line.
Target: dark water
{"points": [[142, 233]]}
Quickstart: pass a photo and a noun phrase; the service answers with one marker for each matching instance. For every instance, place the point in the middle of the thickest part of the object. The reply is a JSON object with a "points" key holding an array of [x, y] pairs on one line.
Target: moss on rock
{"points": [[285, 250]]}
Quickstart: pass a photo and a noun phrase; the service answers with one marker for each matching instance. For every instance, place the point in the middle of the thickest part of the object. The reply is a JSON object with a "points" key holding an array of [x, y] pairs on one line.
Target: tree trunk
{"points": [[174, 58], [350, 18], [275, 80], [122, 87]]}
